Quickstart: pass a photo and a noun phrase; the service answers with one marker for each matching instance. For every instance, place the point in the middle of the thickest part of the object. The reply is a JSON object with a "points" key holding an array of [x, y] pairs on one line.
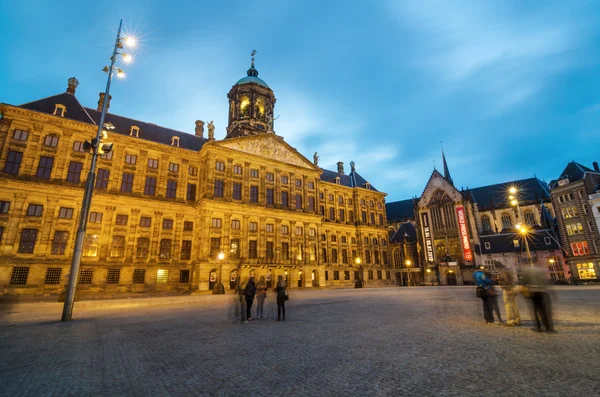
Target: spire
{"points": [[446, 170], [252, 71]]}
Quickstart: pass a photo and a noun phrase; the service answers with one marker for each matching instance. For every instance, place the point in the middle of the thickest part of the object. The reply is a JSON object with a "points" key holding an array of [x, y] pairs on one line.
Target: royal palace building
{"points": [[166, 203]]}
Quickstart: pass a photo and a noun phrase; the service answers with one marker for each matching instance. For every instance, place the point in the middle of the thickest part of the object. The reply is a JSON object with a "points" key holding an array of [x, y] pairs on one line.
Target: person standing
{"points": [[483, 286], [281, 298], [261, 295], [493, 292], [249, 293], [509, 296], [535, 287]]}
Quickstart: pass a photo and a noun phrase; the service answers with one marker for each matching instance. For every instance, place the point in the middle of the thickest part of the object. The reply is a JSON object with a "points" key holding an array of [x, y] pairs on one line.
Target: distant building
{"points": [[458, 231], [576, 198]]}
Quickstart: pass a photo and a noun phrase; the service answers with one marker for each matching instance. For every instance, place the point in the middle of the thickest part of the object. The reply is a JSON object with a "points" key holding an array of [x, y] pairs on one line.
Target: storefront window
{"points": [[586, 270]]}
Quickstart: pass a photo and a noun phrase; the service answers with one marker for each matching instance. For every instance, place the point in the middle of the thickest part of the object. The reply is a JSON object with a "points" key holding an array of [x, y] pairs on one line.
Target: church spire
{"points": [[446, 169]]}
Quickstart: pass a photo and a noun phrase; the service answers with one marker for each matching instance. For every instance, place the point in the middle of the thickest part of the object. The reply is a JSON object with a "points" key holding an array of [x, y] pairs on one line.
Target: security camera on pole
{"points": [[97, 146]]}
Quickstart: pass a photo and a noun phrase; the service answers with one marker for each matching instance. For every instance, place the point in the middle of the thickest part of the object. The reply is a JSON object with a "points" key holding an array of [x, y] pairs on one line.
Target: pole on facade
{"points": [[87, 195]]}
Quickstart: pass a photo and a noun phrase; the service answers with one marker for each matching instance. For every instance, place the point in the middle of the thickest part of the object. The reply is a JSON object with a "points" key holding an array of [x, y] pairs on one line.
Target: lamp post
{"points": [[521, 226], [359, 282], [429, 275], [96, 146], [408, 264], [218, 289]]}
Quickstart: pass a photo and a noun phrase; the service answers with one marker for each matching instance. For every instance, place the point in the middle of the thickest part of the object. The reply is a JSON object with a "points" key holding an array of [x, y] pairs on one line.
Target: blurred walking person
{"points": [[261, 295], [535, 287], [281, 298], [249, 293], [483, 286], [509, 296], [493, 292]]}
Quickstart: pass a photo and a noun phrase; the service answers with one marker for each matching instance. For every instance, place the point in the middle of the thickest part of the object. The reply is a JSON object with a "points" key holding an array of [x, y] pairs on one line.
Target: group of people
{"points": [[259, 291], [534, 288]]}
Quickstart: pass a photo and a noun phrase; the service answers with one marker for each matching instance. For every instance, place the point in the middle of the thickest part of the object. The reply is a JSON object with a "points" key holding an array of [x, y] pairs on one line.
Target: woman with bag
{"points": [[249, 293], [483, 291], [281, 298]]}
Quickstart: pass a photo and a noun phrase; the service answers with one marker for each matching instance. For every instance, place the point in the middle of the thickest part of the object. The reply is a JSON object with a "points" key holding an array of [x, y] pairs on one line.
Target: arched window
{"points": [[485, 223], [506, 220], [528, 217], [260, 108], [397, 259], [245, 107]]}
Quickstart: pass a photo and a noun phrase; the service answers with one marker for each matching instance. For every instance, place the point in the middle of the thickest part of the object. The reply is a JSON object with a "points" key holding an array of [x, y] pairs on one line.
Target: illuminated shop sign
{"points": [[464, 234], [427, 236]]}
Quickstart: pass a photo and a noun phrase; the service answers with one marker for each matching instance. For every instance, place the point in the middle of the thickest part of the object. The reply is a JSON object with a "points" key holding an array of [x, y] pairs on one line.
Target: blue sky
{"points": [[513, 91]]}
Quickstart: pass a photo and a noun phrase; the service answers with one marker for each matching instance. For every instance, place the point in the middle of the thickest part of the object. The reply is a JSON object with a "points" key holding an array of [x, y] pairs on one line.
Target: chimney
{"points": [[340, 167], [101, 102], [595, 165], [200, 128], [73, 83]]}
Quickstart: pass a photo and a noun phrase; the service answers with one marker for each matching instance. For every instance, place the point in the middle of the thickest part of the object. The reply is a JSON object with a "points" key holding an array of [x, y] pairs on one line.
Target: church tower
{"points": [[251, 103]]}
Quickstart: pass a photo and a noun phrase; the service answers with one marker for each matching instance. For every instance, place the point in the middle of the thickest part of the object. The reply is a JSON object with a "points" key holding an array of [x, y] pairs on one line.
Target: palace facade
{"points": [[166, 203]]}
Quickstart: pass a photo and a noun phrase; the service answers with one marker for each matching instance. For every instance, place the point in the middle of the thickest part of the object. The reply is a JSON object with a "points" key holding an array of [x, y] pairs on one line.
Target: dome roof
{"points": [[252, 78]]}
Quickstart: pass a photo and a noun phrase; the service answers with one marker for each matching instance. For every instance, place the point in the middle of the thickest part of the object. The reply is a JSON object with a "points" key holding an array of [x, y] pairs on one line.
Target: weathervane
{"points": [[253, 54]]}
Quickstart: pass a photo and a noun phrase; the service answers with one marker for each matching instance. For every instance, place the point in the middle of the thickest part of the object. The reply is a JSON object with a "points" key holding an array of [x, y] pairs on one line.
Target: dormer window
{"points": [[59, 110], [368, 186], [134, 131], [175, 141], [337, 180]]}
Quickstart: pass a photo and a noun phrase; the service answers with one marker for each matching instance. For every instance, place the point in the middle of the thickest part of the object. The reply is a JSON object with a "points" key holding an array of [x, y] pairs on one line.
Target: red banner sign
{"points": [[427, 237], [464, 234]]}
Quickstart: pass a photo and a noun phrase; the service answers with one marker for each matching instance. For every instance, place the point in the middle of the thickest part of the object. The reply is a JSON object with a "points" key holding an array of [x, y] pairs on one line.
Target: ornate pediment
{"points": [[439, 191], [268, 146]]}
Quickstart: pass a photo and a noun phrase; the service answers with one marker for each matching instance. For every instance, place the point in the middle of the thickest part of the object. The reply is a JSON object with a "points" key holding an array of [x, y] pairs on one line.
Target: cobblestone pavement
{"points": [[394, 341]]}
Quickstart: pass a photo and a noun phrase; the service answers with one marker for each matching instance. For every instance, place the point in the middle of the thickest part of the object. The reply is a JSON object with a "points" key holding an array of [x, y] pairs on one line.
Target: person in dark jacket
{"points": [[483, 287], [281, 297], [249, 293]]}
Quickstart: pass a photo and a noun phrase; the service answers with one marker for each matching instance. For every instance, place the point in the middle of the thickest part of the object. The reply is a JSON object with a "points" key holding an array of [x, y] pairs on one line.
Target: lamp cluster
{"points": [[126, 57], [100, 146]]}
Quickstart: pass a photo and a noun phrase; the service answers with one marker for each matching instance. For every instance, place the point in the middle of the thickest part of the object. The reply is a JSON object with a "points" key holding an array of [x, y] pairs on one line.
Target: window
{"points": [[234, 248], [336, 275], [27, 243], [270, 228], [78, 146], [284, 180], [130, 159], [528, 217], [51, 140], [380, 220], [186, 250], [370, 274], [324, 254], [107, 156], [270, 197], [218, 188], [547, 240], [237, 191], [299, 252], [35, 210], [145, 221], [334, 256], [143, 246], [586, 270], [65, 213], [188, 226], [19, 275], [171, 188], [173, 167], [113, 276], [334, 238], [237, 169], [285, 229], [580, 248], [269, 252], [117, 248], [252, 251], [574, 229], [167, 224], [311, 203], [95, 217], [102, 178], [311, 185], [220, 166], [516, 243], [299, 230], [372, 216], [4, 207], [312, 232], [193, 171], [270, 177], [90, 245], [20, 135], [344, 239], [254, 194], [165, 248], [362, 201], [253, 173], [150, 186], [122, 220], [368, 256], [235, 224], [569, 212], [344, 255], [127, 182], [74, 174], [353, 240], [487, 245], [153, 163], [162, 276], [85, 276], [376, 257], [485, 223], [322, 210], [53, 276], [298, 201], [184, 276], [331, 197], [378, 274], [253, 226], [332, 213], [364, 217], [346, 275], [175, 141], [191, 192], [216, 222], [313, 252], [13, 162], [285, 251], [342, 215], [59, 110], [506, 221], [59, 243], [139, 276], [351, 216], [298, 182]]}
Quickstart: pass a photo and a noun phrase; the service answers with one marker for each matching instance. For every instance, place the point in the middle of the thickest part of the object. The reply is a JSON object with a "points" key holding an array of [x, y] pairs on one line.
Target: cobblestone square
{"points": [[390, 341]]}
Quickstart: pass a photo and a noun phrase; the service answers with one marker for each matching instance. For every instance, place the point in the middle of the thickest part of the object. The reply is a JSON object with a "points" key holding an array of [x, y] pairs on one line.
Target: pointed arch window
{"points": [[528, 217], [506, 220], [485, 223]]}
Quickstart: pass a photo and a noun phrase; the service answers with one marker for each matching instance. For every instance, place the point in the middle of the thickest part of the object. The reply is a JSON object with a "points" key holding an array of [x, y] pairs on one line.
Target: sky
{"points": [[511, 88]]}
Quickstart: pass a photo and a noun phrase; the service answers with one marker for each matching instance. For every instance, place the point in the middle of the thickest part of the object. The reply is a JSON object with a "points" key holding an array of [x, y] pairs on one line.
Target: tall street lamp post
{"points": [[358, 283], [521, 226], [408, 264], [97, 147], [219, 289]]}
